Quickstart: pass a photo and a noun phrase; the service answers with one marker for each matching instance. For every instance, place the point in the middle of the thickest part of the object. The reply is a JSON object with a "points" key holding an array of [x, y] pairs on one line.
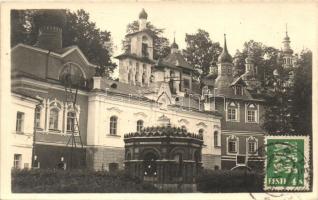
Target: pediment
{"points": [[183, 121], [140, 114], [115, 109], [202, 124]]}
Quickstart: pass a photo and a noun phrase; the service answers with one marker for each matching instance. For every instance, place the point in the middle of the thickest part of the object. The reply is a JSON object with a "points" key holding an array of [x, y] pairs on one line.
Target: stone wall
{"points": [[99, 158], [211, 161]]}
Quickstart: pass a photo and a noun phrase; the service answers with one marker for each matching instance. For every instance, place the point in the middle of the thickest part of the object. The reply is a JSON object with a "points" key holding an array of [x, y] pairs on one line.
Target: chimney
{"points": [[50, 24]]}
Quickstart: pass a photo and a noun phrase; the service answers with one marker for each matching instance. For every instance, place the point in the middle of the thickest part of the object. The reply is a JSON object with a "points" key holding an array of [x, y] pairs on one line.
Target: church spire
{"points": [[174, 45], [225, 56], [286, 43]]}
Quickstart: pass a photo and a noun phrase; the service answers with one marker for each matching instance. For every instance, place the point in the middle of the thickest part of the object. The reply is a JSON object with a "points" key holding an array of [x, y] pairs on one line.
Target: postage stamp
{"points": [[287, 163]]}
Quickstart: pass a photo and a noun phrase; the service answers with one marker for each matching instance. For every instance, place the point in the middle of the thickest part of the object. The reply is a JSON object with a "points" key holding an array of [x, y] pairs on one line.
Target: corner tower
{"points": [[50, 24]]}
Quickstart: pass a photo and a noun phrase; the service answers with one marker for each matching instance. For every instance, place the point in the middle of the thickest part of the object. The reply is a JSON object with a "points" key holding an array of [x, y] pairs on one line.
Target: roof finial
{"points": [[174, 36], [225, 46], [286, 31]]}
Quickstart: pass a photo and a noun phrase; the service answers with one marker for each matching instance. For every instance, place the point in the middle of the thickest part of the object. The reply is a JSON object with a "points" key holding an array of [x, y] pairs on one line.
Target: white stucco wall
{"points": [[102, 107], [21, 143]]}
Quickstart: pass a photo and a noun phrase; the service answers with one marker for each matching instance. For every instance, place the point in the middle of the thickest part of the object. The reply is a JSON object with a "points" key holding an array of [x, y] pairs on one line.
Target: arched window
{"points": [[113, 125], [128, 156], [70, 121], [179, 160], [140, 125], [72, 74], [54, 119], [201, 131], [37, 117], [216, 139]]}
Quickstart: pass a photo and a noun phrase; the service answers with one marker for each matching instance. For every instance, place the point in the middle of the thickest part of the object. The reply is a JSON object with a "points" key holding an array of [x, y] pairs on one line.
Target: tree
{"points": [[161, 44], [79, 30], [265, 59], [277, 93], [201, 52], [302, 94], [288, 97]]}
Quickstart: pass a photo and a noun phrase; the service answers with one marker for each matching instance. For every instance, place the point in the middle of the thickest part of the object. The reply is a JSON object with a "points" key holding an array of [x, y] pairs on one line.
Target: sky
{"points": [[264, 22]]}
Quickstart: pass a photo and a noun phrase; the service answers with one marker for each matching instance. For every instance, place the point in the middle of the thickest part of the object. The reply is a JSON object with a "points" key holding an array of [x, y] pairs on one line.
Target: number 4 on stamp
{"points": [[286, 163]]}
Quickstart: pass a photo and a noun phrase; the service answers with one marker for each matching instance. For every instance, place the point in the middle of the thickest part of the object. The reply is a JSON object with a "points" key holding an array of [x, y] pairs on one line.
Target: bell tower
{"points": [[287, 52]]}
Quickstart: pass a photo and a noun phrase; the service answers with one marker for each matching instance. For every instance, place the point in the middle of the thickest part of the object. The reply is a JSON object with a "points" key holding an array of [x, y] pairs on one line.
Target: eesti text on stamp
{"points": [[287, 163]]}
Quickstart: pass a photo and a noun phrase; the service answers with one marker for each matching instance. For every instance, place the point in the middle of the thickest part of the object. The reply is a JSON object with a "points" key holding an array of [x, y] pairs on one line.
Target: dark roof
{"points": [[175, 60], [238, 80], [124, 88], [225, 89], [225, 56], [164, 131], [134, 56]]}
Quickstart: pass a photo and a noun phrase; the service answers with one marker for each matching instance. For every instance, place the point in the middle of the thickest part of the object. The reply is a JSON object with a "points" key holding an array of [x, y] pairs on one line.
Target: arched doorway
{"points": [[150, 164]]}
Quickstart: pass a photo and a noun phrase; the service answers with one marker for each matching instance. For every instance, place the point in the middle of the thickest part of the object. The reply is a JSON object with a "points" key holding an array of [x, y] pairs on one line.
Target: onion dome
{"points": [[286, 43], [143, 14], [50, 17], [225, 56], [174, 45]]}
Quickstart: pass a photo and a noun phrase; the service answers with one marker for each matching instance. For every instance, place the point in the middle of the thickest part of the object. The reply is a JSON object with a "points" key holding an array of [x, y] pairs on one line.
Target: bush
{"points": [[82, 181], [230, 181]]}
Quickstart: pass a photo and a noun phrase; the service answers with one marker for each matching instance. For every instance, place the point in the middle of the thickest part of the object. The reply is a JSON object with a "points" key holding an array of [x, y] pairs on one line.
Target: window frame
{"points": [[56, 124], [236, 107], [254, 140], [19, 127], [37, 117], [113, 124], [68, 118], [216, 139], [17, 163], [140, 126], [252, 107], [234, 139]]}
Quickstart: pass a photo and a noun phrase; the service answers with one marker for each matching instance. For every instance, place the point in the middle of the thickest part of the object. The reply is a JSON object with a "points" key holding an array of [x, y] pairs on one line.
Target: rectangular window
{"points": [[231, 114], [37, 117], [20, 122], [251, 147], [186, 84], [251, 116], [232, 146], [17, 161]]}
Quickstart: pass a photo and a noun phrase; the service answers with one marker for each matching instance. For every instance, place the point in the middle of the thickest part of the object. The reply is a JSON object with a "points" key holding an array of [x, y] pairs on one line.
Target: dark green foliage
{"points": [[288, 98], [78, 30], [230, 181], [75, 181], [161, 44], [301, 114], [201, 52]]}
